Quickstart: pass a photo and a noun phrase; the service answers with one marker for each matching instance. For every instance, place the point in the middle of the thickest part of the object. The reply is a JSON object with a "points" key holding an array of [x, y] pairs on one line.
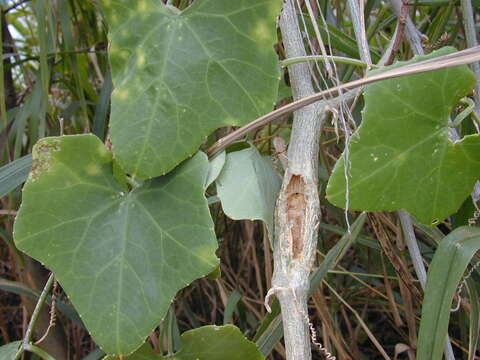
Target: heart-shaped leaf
{"points": [[145, 352], [216, 166], [121, 256], [216, 343], [8, 351], [180, 75], [248, 187], [205, 343], [401, 157]]}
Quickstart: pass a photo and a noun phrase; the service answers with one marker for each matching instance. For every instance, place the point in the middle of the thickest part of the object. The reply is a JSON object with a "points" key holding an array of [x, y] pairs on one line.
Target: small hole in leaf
{"points": [[435, 222]]}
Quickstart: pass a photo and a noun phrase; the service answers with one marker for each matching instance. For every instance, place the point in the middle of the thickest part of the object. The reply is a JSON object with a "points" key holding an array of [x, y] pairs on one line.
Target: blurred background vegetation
{"points": [[56, 81]]}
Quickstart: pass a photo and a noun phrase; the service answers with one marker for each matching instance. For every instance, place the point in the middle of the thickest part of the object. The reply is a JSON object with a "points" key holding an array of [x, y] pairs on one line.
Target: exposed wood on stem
{"points": [[298, 207]]}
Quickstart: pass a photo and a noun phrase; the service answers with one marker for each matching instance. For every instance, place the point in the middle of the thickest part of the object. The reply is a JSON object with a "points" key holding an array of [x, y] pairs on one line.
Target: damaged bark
{"points": [[297, 213]]}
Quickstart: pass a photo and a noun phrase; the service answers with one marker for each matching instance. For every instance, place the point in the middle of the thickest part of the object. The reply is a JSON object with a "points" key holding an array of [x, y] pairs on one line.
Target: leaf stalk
{"points": [[26, 344]]}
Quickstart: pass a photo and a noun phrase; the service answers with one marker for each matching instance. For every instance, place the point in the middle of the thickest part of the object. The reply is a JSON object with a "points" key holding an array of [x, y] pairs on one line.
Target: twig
{"points": [[8, 212], [53, 313], [358, 20], [413, 35], [16, 5], [398, 265], [338, 59], [33, 320], [328, 66], [402, 20], [357, 16], [360, 321], [412, 245]]}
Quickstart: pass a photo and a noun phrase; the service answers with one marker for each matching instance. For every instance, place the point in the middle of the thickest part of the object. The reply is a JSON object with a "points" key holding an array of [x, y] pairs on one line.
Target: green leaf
{"points": [[180, 75], [401, 157], [215, 274], [232, 302], [284, 91], [8, 351], [205, 343], [102, 107], [216, 343], [216, 166], [145, 352], [96, 354], [465, 213], [341, 41], [444, 275], [120, 256], [248, 187], [14, 173]]}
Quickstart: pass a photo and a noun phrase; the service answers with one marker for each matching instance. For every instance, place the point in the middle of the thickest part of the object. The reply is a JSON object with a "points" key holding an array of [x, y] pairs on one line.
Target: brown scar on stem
{"points": [[296, 211]]}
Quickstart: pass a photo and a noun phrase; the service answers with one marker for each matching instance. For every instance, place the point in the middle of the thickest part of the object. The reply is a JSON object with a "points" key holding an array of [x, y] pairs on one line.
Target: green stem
{"points": [[467, 111], [36, 312], [38, 351], [337, 59]]}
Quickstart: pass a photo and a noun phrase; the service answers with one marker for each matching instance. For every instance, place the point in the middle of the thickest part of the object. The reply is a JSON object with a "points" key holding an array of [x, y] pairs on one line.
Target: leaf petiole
{"points": [[463, 115]]}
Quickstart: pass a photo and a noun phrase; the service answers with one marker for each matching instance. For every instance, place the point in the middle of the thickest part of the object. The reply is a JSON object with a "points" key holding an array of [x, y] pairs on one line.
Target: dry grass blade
{"points": [[360, 321]]}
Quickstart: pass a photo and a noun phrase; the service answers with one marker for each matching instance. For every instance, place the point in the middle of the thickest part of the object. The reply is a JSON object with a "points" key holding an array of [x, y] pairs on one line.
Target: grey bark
{"points": [[298, 207]]}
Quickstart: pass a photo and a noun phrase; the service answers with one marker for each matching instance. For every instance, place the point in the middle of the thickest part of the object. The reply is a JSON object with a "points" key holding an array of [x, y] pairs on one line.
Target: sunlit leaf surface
{"points": [[401, 157], [120, 255], [205, 343], [248, 187], [180, 75]]}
